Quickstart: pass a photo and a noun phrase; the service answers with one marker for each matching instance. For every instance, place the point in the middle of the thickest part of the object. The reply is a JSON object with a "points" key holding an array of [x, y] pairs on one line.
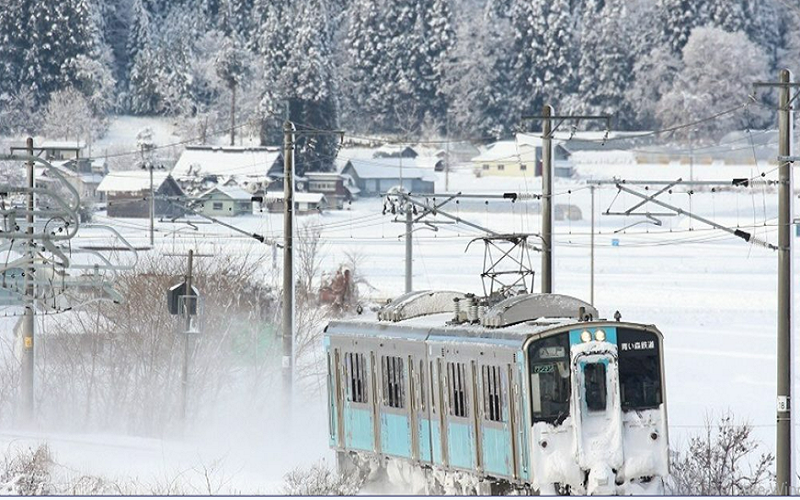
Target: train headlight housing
{"points": [[600, 336], [586, 336]]}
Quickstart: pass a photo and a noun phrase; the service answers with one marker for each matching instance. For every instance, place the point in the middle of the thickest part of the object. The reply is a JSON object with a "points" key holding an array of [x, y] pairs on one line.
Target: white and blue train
{"points": [[533, 394]]}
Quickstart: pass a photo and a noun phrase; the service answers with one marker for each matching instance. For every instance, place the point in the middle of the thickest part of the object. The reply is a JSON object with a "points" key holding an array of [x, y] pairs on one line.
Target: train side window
{"points": [[394, 394], [457, 389], [492, 393], [356, 368]]}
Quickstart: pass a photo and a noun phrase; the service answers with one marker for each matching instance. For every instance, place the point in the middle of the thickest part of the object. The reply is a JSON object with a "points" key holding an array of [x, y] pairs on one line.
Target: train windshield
{"points": [[550, 378], [639, 369]]}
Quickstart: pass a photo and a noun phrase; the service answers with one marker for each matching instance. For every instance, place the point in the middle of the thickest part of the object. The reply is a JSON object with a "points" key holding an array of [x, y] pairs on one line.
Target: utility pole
{"points": [[784, 473], [187, 307], [30, 303], [409, 249], [784, 449], [547, 200], [152, 206], [288, 274], [548, 130], [591, 282], [233, 114]]}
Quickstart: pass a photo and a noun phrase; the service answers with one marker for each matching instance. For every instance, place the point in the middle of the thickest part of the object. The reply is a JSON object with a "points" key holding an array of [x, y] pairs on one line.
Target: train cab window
{"points": [[639, 369], [594, 379], [394, 390], [491, 380], [550, 378], [457, 389], [356, 369]]}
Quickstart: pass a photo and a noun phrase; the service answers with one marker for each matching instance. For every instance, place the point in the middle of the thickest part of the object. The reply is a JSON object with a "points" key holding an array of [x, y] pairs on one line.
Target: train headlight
{"points": [[600, 336], [586, 336]]}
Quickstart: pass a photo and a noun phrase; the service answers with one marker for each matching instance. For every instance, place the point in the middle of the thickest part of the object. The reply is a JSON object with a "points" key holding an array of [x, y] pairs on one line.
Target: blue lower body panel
{"points": [[460, 445], [358, 429], [425, 440], [496, 447], [395, 435]]}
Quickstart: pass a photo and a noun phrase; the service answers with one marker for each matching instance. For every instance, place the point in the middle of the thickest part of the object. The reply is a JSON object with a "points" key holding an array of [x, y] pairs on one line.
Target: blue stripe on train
{"points": [[425, 440], [358, 428], [460, 444], [395, 435], [496, 446]]}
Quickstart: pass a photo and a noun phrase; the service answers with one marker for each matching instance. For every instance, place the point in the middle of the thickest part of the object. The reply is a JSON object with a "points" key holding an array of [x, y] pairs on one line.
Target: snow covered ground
{"points": [[711, 294]]}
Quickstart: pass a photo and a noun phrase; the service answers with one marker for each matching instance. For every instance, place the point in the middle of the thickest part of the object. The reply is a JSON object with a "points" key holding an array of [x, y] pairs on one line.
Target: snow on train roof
{"points": [[435, 326]]}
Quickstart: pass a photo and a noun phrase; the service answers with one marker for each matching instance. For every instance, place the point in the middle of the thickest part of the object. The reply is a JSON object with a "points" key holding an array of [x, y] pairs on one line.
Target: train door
{"points": [[395, 414], [421, 410], [460, 427], [598, 426], [498, 446], [356, 416], [335, 399]]}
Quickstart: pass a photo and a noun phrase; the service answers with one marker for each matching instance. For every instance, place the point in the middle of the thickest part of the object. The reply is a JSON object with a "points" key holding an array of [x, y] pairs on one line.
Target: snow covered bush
{"points": [[27, 472], [722, 461], [320, 479]]}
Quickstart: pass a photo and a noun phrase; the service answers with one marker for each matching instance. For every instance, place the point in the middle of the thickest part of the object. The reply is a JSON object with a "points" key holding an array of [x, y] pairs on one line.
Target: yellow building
{"points": [[521, 157]]}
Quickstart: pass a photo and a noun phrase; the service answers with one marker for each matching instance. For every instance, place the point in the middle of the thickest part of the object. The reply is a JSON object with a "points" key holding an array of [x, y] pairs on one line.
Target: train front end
{"points": [[597, 406]]}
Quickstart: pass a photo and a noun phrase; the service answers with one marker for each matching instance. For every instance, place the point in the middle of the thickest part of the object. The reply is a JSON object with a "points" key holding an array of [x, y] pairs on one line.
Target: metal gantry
{"points": [[42, 272]]}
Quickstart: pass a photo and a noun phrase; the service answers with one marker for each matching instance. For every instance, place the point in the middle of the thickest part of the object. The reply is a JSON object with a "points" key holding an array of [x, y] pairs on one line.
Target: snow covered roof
{"points": [[390, 168], [61, 145], [232, 161], [131, 181], [232, 192], [507, 151], [298, 197], [324, 175]]}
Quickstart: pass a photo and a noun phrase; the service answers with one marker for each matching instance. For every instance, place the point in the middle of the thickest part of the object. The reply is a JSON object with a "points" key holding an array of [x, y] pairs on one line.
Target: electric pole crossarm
{"points": [[462, 221], [50, 170], [256, 236], [651, 197], [736, 232]]}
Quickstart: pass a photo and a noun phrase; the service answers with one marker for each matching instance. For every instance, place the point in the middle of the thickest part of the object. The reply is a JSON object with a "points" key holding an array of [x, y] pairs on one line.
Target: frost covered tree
{"points": [[477, 78], [299, 79], [18, 113], [69, 116], [605, 60], [397, 56], [722, 461], [708, 83], [653, 76], [544, 67], [233, 66]]}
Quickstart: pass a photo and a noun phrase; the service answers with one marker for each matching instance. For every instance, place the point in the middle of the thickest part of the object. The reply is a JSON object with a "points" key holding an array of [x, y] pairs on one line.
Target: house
{"points": [[128, 194], [303, 202], [521, 157], [390, 151], [337, 188], [378, 175], [225, 200], [83, 174], [53, 150], [202, 167]]}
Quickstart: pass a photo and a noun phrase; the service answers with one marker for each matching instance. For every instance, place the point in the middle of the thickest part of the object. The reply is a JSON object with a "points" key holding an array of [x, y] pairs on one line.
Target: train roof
{"points": [[432, 316]]}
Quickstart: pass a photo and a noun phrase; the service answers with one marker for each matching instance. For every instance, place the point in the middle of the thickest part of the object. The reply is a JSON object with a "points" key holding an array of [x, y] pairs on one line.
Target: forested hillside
{"points": [[468, 68]]}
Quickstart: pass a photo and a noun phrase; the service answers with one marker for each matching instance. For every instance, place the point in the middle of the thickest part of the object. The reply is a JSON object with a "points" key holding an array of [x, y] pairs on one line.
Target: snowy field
{"points": [[710, 293]]}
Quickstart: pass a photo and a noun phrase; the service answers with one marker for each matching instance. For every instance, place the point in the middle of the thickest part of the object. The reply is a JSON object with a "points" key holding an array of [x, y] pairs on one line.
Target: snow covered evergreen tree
{"points": [[605, 60], [477, 79], [544, 67], [397, 55]]}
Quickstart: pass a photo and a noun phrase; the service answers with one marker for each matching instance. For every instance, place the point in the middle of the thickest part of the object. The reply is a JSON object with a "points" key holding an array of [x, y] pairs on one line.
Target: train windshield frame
{"points": [[640, 383], [550, 380]]}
